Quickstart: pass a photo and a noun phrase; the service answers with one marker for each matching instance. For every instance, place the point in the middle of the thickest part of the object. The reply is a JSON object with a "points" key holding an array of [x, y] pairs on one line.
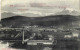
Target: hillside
{"points": [[19, 21]]}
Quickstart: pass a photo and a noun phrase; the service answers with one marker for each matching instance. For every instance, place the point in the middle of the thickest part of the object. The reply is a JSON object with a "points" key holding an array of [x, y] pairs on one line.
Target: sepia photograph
{"points": [[40, 25]]}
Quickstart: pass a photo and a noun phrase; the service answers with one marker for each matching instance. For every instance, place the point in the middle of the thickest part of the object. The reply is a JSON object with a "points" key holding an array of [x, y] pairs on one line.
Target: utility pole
{"points": [[23, 36]]}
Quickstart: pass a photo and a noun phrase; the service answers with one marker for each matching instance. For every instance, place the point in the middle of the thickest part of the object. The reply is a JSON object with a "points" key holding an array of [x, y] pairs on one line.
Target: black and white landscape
{"points": [[64, 26]]}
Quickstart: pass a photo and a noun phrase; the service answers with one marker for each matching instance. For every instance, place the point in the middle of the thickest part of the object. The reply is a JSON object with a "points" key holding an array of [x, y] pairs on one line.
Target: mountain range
{"points": [[57, 20], [65, 17], [66, 11]]}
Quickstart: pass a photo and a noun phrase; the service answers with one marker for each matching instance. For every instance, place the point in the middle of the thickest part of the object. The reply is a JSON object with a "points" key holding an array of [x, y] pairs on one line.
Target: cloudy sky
{"points": [[68, 3], [38, 6]]}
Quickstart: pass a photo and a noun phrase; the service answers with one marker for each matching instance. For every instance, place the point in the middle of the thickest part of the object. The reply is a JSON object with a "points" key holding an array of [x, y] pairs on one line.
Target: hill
{"points": [[57, 20]]}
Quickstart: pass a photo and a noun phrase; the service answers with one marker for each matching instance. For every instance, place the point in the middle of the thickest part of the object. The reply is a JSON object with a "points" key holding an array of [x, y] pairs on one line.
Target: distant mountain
{"points": [[75, 13], [26, 14], [31, 14], [7, 14], [57, 20], [68, 11]]}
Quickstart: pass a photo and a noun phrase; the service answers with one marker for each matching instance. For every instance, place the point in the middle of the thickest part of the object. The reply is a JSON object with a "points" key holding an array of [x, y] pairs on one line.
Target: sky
{"points": [[0, 10], [38, 6], [69, 3]]}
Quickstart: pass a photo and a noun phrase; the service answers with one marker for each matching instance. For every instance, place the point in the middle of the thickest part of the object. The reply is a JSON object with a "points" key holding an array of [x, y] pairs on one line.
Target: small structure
{"points": [[50, 41], [40, 42]]}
